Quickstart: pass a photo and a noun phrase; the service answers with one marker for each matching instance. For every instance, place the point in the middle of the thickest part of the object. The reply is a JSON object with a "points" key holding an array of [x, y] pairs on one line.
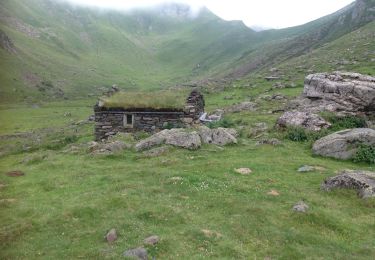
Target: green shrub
{"points": [[365, 153], [297, 134], [225, 122], [346, 122]]}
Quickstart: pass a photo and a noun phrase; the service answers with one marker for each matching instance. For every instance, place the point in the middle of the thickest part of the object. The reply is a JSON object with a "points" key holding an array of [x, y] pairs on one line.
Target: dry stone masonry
{"points": [[109, 121]]}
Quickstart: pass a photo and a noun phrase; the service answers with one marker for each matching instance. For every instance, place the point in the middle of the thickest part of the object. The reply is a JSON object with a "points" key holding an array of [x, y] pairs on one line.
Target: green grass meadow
{"points": [[65, 203]]}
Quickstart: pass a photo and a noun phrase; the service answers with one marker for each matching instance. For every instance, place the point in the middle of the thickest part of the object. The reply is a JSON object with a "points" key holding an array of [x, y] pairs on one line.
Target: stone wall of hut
{"points": [[110, 121]]}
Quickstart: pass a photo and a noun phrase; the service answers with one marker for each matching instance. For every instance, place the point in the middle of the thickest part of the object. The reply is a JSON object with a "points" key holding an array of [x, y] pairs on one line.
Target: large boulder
{"points": [[306, 120], [219, 136], [187, 140], [341, 91], [176, 137], [344, 144], [362, 181]]}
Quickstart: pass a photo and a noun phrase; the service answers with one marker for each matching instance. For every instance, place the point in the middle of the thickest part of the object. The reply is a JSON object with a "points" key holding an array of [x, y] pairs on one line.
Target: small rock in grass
{"points": [[15, 173], [111, 236], [138, 253], [243, 171], [273, 193], [306, 168], [151, 240], [309, 168], [300, 206]]}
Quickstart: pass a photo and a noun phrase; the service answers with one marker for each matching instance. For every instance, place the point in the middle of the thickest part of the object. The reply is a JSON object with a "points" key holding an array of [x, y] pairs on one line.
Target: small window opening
{"points": [[128, 120]]}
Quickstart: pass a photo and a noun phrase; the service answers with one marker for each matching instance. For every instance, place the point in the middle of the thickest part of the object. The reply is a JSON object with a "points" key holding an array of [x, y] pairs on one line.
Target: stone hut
{"points": [[112, 118]]}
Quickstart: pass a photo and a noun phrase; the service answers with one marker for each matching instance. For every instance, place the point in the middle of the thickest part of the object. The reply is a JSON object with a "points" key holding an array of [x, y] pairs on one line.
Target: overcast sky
{"points": [[264, 13]]}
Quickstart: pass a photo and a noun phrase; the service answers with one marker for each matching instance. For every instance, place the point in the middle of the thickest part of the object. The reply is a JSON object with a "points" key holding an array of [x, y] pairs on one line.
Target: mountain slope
{"points": [[51, 49]]}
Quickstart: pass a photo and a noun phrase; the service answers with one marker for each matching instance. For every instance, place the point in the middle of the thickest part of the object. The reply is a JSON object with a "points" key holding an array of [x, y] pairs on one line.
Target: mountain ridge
{"points": [[77, 50]]}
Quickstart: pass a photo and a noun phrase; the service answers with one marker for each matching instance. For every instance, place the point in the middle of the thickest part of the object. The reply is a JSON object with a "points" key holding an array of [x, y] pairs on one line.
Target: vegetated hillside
{"points": [[58, 48], [289, 43], [51, 49]]}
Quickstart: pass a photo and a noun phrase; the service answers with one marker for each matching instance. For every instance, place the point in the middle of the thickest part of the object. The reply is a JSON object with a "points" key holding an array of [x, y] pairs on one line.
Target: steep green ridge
{"points": [[51, 49], [76, 49]]}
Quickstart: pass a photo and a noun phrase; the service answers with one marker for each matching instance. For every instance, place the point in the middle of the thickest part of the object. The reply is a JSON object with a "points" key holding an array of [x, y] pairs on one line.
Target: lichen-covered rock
{"points": [[175, 137], [344, 144], [362, 181], [137, 253], [349, 91], [218, 136], [187, 140], [301, 206], [306, 120]]}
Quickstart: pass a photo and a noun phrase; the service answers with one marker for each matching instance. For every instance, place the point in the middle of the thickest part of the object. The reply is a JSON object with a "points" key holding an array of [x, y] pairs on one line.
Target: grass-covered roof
{"points": [[154, 100]]}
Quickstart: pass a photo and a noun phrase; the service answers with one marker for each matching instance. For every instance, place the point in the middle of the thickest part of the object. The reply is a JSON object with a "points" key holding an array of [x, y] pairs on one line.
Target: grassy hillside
{"points": [[61, 51]]}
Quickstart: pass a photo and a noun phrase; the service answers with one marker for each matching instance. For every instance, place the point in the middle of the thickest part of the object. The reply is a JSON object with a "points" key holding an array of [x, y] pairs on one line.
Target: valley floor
{"points": [[193, 200]]}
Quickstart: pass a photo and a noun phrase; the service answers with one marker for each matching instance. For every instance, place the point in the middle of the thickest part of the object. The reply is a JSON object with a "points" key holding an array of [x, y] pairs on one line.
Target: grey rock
{"points": [[306, 120], [362, 181], [219, 136], [176, 137], [137, 253], [300, 206], [111, 236], [151, 240], [306, 168], [272, 141], [188, 140], [156, 139], [344, 144], [339, 91]]}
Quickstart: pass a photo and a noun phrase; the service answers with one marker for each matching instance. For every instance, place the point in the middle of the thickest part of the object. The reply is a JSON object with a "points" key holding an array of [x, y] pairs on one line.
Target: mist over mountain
{"points": [[77, 50]]}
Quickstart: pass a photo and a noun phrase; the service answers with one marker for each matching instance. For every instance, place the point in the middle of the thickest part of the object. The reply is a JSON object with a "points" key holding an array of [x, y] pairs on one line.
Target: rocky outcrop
{"points": [[362, 181], [306, 120], [344, 144], [344, 91]]}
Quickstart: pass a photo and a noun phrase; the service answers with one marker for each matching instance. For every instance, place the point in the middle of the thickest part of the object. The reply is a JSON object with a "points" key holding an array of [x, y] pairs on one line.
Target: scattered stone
{"points": [[278, 96], [176, 178], [272, 141], [111, 236], [139, 253], [67, 114], [306, 168], [273, 193], [243, 171], [151, 240], [270, 78], [344, 144], [244, 106], [15, 173], [362, 181], [107, 148], [307, 120], [300, 206]]}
